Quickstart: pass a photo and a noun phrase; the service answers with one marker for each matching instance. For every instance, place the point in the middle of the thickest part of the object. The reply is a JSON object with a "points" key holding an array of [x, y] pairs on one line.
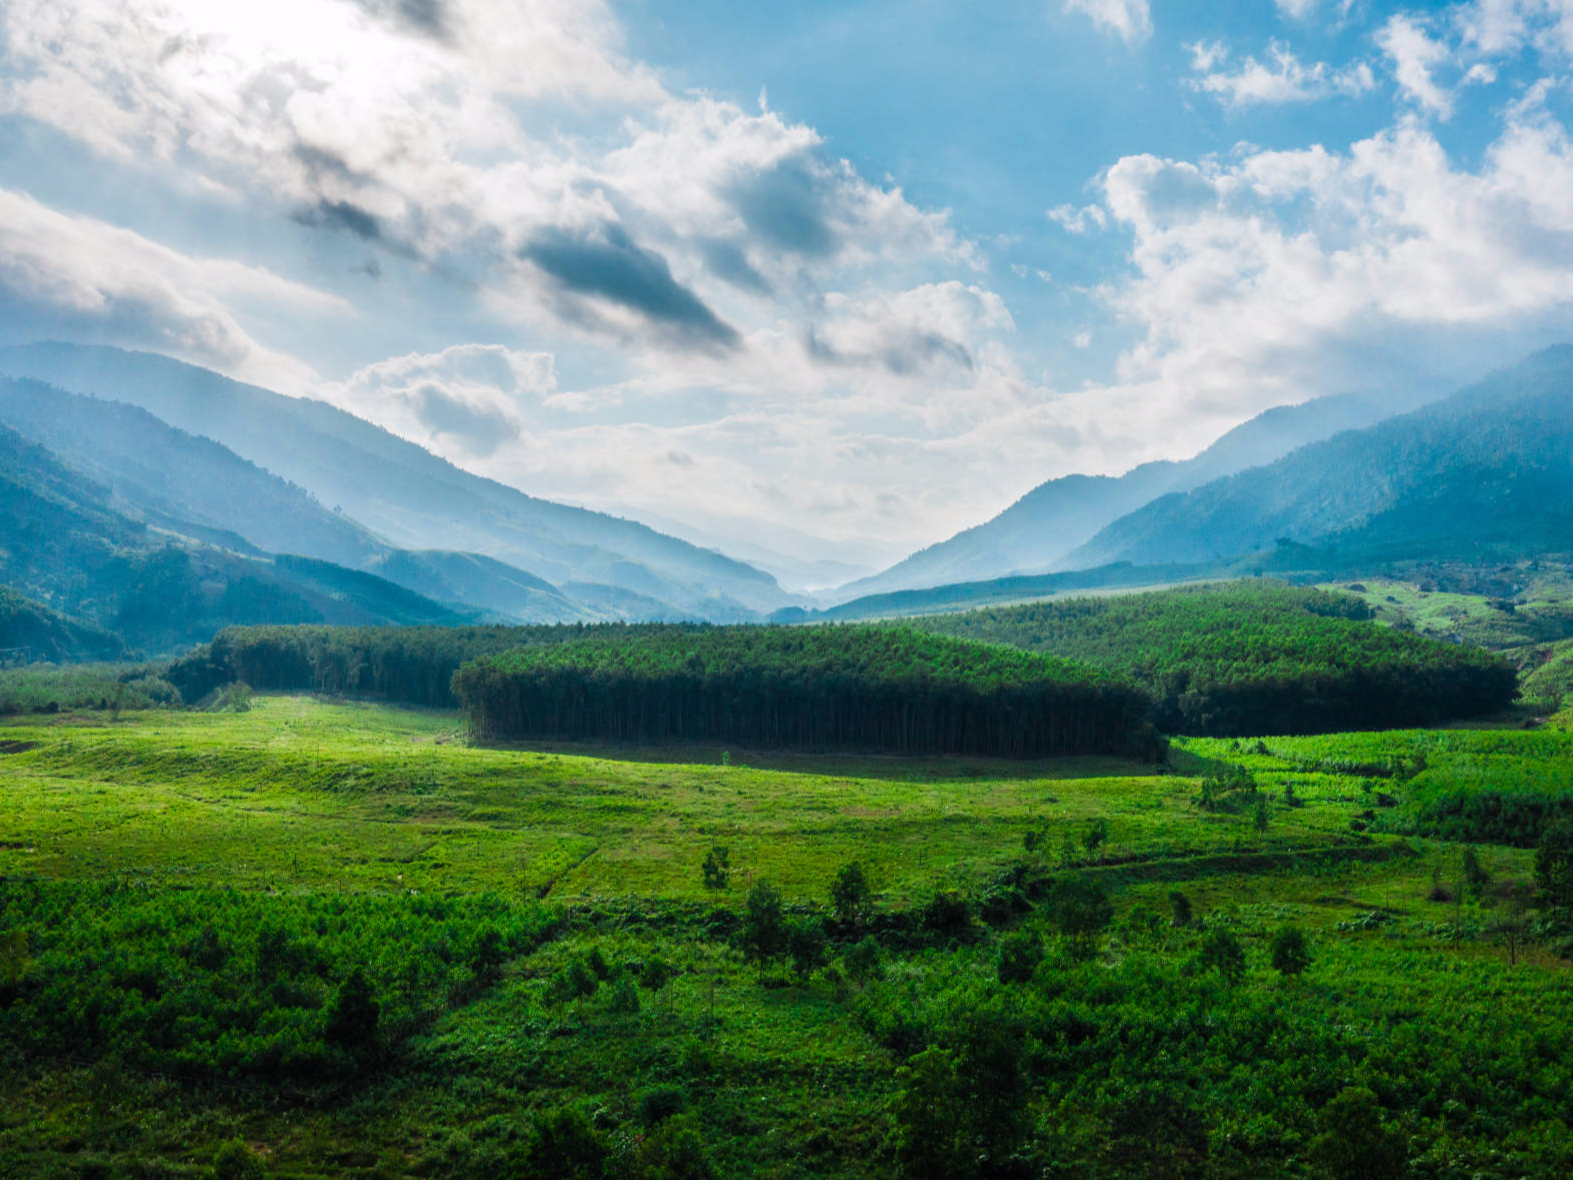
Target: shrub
{"points": [[1019, 956], [717, 867], [1080, 910], [1179, 908], [764, 933], [1355, 1144], [565, 1146], [1221, 951], [863, 961], [1290, 954], [236, 1161], [850, 896], [659, 1103]]}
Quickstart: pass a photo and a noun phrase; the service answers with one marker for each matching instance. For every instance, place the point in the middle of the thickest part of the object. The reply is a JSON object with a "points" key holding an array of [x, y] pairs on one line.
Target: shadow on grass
{"points": [[842, 764]]}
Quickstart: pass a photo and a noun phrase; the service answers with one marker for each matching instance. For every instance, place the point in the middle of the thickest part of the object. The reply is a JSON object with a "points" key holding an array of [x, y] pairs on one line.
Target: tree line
{"points": [[1257, 657], [861, 687]]}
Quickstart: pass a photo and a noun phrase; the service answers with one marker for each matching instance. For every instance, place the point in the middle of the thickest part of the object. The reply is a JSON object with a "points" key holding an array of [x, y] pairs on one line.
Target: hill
{"points": [[1255, 658], [32, 632], [1058, 516], [482, 582], [405, 494], [1486, 474]]}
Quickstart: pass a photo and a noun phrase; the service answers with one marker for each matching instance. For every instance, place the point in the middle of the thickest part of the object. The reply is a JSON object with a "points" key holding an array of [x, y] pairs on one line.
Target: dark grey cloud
{"points": [[903, 353], [428, 17], [727, 261], [606, 262], [789, 207], [482, 429], [342, 215]]}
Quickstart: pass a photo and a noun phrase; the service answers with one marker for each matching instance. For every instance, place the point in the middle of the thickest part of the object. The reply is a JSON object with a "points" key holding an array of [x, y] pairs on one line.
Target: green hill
{"points": [[1486, 474], [30, 631], [1255, 657]]}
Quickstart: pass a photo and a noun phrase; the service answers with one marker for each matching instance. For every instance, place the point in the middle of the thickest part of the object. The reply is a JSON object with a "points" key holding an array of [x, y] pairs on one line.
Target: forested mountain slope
{"points": [[402, 492], [181, 481], [1057, 516], [1484, 474], [30, 631]]}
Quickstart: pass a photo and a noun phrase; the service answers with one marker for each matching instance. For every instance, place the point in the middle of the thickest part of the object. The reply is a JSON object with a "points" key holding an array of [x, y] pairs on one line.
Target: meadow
{"points": [[198, 911]]}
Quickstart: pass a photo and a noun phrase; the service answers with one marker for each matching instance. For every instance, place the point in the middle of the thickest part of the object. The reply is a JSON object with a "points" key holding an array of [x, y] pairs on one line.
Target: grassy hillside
{"points": [[872, 688], [1255, 657], [336, 941], [1486, 474]]}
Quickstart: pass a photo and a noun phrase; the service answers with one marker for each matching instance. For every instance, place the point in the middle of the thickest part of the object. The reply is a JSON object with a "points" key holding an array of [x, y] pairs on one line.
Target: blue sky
{"points": [[832, 279]]}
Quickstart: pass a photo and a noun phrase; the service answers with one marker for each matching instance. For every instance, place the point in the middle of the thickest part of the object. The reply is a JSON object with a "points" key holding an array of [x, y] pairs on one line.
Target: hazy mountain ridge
{"points": [[413, 498], [1035, 533], [1487, 471]]}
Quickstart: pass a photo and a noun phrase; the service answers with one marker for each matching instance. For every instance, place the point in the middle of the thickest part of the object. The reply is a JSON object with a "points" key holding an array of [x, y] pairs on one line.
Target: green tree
{"points": [[1260, 814], [1179, 908], [234, 1160], [1355, 1144], [1096, 835], [931, 1118], [1020, 954], [863, 961], [1080, 910], [717, 867], [353, 1015], [764, 934], [1221, 951], [1554, 866], [850, 895], [487, 958], [806, 948], [1290, 954], [1475, 876], [565, 1146]]}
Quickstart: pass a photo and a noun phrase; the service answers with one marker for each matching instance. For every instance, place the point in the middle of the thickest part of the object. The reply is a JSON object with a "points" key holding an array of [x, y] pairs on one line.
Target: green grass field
{"points": [[336, 819]]}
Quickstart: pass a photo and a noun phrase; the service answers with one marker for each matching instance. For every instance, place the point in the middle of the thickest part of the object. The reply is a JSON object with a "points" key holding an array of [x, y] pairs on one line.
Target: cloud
{"points": [[1296, 9], [510, 142], [1414, 56], [80, 278], [1281, 79], [1078, 221], [1130, 20], [465, 402], [603, 265]]}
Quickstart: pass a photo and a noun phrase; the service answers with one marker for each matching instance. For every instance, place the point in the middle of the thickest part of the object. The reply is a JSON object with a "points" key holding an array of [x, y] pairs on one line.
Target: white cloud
{"points": [[1282, 78], [77, 277], [510, 144], [1414, 56], [1296, 9], [1078, 221], [1130, 20], [1288, 274]]}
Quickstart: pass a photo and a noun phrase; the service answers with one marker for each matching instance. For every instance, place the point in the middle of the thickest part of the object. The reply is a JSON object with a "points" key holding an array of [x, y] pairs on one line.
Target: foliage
{"points": [[48, 688], [850, 897], [1080, 910], [822, 687], [1019, 956], [564, 1145], [1356, 1144], [1221, 951], [235, 1160], [1254, 657], [717, 867], [764, 933], [1290, 954], [1554, 865], [1179, 908]]}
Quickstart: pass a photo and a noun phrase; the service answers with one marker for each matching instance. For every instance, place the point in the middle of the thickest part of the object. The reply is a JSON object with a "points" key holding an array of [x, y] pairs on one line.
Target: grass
{"points": [[305, 799]]}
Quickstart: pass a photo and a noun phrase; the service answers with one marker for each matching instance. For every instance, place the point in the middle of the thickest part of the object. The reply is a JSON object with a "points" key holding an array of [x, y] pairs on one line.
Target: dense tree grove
{"points": [[408, 665], [1255, 658], [821, 687]]}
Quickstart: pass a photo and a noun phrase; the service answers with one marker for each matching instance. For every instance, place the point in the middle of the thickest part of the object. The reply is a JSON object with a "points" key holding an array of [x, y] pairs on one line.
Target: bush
{"points": [[863, 961], [1080, 911], [235, 1161], [659, 1103], [1290, 954], [1019, 956], [565, 1146], [717, 867], [850, 896], [1221, 951]]}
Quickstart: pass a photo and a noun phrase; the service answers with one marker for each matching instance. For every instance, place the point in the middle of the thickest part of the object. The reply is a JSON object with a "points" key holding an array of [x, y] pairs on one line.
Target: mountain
{"points": [[64, 544], [403, 493], [180, 481], [483, 582], [1486, 474], [1035, 532]]}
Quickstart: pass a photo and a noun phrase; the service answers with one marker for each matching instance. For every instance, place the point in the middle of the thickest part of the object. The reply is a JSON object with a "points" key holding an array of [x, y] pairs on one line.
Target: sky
{"points": [[830, 279]]}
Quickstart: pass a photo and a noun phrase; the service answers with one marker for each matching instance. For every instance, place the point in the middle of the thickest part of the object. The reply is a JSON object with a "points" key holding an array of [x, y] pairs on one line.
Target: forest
{"points": [[854, 687], [1254, 657]]}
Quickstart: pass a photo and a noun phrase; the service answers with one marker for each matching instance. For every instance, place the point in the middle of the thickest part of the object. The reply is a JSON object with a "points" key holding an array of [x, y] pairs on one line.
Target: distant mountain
{"points": [[1486, 474], [65, 545], [180, 481], [403, 493], [1038, 530], [481, 581]]}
